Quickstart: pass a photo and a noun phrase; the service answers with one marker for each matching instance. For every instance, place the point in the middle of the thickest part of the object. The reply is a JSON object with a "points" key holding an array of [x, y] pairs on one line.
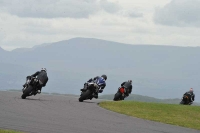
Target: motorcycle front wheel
{"points": [[84, 96], [117, 96], [26, 92]]}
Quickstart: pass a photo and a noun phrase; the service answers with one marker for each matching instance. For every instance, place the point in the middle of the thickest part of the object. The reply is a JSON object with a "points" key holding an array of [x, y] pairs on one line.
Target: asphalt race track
{"points": [[64, 114]]}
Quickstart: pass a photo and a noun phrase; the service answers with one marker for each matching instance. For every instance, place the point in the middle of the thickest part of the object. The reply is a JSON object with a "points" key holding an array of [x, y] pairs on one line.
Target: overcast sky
{"points": [[25, 23]]}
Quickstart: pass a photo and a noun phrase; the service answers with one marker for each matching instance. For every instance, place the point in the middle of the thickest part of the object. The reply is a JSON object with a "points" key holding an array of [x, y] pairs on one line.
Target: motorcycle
{"points": [[31, 87], [92, 88], [186, 100], [121, 94]]}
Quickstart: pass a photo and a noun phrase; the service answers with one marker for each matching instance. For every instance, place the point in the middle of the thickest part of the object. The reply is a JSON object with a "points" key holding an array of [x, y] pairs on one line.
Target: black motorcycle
{"points": [[88, 93], [121, 94], [31, 87], [186, 100]]}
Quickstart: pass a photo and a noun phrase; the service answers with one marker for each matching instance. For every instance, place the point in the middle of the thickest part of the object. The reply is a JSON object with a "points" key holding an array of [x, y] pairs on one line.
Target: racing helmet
{"points": [[44, 69], [104, 76], [130, 81]]}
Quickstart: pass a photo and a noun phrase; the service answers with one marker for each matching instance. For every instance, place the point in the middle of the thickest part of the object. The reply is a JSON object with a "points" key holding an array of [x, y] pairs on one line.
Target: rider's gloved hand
{"points": [[89, 80], [100, 91]]}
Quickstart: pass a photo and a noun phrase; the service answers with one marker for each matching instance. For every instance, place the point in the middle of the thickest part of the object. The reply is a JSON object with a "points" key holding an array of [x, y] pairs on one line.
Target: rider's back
{"points": [[128, 87], [42, 76]]}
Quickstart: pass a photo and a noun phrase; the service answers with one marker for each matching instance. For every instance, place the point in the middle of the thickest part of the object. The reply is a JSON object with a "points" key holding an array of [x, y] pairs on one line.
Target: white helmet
{"points": [[44, 69]]}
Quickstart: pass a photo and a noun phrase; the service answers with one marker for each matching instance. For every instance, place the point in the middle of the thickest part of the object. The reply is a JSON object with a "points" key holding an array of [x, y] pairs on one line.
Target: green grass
{"points": [[140, 98], [8, 131], [180, 115]]}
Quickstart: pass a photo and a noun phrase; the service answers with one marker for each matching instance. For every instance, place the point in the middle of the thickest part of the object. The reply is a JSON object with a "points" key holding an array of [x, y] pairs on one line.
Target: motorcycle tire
{"points": [[26, 92], [84, 96], [117, 96]]}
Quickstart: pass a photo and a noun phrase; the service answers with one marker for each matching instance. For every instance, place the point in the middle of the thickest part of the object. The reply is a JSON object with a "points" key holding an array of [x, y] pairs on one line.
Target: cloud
{"points": [[56, 9], [130, 13], [109, 6], [180, 13], [127, 23]]}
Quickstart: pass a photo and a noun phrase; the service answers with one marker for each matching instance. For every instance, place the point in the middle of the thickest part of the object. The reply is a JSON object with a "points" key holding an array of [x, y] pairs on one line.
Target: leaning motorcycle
{"points": [[30, 88], [121, 94], [186, 100], [92, 88]]}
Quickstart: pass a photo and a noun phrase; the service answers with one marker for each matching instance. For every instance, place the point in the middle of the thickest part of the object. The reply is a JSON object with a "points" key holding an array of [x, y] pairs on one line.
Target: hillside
{"points": [[156, 71]]}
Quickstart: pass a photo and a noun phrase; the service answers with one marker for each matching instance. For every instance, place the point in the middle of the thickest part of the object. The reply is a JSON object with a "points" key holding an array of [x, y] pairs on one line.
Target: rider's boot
{"points": [[95, 95]]}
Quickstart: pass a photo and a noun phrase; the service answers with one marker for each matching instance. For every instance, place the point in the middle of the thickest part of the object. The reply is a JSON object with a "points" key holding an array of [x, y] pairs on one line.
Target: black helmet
{"points": [[130, 81], [104, 76]]}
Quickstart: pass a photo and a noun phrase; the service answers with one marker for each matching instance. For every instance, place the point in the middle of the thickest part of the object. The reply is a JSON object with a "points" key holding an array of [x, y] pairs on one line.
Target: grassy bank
{"points": [[8, 131], [181, 115]]}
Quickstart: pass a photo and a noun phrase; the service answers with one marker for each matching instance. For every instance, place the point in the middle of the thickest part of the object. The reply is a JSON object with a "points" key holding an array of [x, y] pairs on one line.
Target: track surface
{"points": [[64, 114]]}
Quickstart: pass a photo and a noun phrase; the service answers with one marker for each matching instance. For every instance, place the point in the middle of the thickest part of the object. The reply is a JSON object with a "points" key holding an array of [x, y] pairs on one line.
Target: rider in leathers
{"points": [[42, 77], [191, 95], [100, 87], [127, 86]]}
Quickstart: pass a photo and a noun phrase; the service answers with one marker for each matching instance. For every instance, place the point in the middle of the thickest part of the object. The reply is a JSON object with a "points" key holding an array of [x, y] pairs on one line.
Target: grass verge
{"points": [[180, 115], [8, 131]]}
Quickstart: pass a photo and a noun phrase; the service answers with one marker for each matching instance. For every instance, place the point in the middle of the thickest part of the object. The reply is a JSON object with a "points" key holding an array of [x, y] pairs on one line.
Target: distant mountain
{"points": [[42, 45], [21, 50], [2, 50], [156, 71], [3, 55]]}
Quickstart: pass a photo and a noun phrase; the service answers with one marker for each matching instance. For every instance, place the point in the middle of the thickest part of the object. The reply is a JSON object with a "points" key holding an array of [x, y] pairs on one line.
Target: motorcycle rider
{"points": [[128, 86], [101, 87], [42, 77], [191, 95]]}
